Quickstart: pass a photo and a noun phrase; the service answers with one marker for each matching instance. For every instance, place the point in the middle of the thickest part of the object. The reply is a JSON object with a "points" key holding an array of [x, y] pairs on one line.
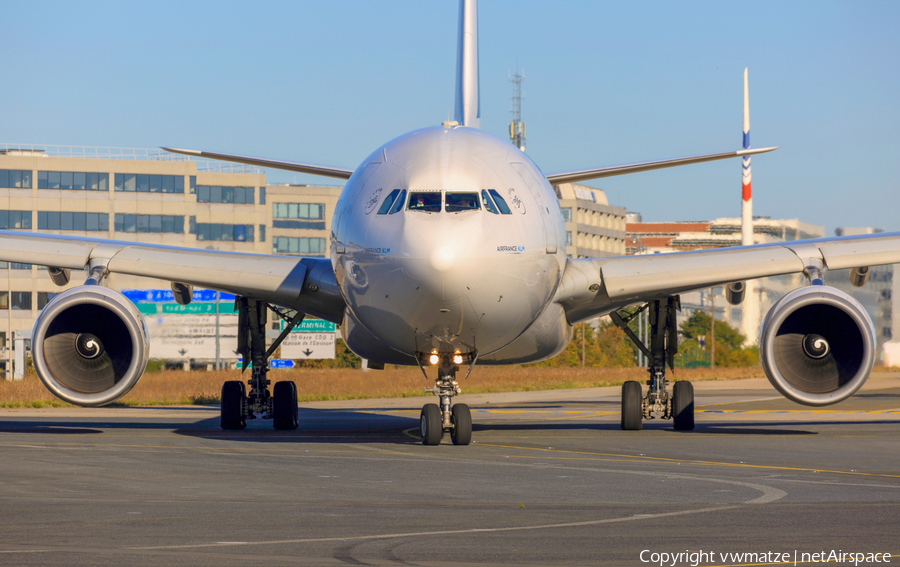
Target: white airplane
{"points": [[447, 250]]}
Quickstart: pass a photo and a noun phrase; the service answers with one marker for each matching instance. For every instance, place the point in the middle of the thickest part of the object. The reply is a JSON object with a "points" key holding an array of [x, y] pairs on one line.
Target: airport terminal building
{"points": [[594, 228]]}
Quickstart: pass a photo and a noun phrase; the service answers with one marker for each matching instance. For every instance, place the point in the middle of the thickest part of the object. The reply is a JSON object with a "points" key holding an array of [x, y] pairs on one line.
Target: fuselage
{"points": [[465, 255]]}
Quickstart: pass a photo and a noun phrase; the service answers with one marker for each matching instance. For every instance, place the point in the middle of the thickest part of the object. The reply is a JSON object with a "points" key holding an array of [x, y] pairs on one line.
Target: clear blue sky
{"points": [[605, 83]]}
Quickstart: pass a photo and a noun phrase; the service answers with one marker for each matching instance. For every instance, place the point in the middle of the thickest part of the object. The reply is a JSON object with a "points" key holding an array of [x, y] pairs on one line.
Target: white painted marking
{"points": [[448, 532]]}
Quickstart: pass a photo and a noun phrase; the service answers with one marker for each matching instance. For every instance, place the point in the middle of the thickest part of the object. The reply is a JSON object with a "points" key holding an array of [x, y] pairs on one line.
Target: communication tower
{"points": [[517, 127]]}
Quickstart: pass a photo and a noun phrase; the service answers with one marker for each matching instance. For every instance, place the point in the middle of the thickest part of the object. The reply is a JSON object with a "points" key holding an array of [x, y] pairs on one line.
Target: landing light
{"points": [[433, 359]]}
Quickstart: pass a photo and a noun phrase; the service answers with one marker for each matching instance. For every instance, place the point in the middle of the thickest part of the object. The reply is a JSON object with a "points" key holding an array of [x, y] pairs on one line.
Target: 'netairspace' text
{"points": [[695, 558]]}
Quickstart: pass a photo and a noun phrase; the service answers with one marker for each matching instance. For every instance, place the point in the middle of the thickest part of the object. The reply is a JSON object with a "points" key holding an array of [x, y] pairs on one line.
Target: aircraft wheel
{"points": [[284, 406], [232, 408], [683, 406], [632, 398], [461, 417], [431, 425]]}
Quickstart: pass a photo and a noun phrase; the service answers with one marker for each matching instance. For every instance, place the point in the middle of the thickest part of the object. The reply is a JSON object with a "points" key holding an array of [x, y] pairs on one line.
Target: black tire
{"points": [[683, 406], [431, 425], [232, 408], [632, 401], [284, 406], [461, 418]]}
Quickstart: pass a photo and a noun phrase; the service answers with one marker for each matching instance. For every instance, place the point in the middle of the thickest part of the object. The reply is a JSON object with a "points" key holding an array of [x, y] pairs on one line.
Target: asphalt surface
{"points": [[549, 479]]}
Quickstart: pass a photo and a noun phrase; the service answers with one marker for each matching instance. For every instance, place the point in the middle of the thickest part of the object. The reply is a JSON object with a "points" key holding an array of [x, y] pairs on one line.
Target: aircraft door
{"points": [[546, 218]]}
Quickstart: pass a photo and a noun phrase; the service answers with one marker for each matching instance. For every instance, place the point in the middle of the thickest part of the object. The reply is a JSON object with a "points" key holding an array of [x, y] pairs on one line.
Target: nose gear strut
{"points": [[455, 418], [677, 406]]}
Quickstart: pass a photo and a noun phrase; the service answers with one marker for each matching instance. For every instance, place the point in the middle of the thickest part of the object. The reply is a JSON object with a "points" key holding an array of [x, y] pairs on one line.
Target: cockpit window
{"points": [[388, 201], [488, 204], [501, 204], [398, 204], [459, 202], [427, 202]]}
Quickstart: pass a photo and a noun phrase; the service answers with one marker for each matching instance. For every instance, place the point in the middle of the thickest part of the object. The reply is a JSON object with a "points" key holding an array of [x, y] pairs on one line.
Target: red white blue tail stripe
{"points": [[746, 193]]}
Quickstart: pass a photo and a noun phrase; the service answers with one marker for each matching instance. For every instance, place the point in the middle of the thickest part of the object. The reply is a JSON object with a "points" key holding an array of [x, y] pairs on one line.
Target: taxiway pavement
{"points": [[549, 479]]}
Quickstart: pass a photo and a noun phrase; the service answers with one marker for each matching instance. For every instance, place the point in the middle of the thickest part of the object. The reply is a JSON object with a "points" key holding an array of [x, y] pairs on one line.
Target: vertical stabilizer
{"points": [[750, 312], [468, 99], [746, 193]]}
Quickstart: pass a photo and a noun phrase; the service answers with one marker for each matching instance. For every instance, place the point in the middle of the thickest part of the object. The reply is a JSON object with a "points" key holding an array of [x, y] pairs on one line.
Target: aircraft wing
{"points": [[575, 176], [627, 280], [326, 170], [282, 280]]}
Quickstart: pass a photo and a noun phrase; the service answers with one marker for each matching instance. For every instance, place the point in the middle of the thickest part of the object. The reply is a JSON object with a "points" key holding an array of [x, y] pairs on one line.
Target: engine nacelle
{"points": [[90, 345], [817, 345]]}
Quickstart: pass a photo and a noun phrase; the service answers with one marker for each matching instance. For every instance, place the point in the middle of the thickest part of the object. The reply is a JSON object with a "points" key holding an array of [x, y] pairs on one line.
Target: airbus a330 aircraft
{"points": [[447, 251]]}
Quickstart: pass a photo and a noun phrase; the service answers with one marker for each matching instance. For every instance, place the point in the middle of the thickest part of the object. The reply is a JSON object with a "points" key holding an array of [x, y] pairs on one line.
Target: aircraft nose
{"points": [[441, 251], [443, 258]]}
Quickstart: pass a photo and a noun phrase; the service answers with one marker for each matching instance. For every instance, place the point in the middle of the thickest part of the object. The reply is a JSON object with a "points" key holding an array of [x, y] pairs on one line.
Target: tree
{"points": [[729, 341], [605, 345], [697, 325]]}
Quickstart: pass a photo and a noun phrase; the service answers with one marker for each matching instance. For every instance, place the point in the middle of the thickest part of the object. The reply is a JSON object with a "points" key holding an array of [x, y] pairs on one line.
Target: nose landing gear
{"points": [[456, 418]]}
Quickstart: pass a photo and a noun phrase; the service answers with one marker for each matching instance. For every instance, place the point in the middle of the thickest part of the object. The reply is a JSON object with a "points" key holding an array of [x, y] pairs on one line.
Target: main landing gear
{"points": [[237, 405], [677, 406], [456, 418]]}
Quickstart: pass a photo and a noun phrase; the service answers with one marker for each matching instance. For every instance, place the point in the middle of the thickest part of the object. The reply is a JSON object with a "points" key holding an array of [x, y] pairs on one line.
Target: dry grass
{"points": [[193, 388]]}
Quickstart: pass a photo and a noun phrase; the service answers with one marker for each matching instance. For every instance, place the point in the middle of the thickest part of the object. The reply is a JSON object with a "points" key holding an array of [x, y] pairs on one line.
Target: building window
{"points": [[302, 245], [311, 211], [223, 194], [44, 298], [224, 232], [308, 225], [48, 220], [74, 180], [568, 238], [15, 179], [262, 233], [567, 213], [149, 223], [262, 195], [14, 266], [15, 219], [4, 300], [145, 183], [21, 300]]}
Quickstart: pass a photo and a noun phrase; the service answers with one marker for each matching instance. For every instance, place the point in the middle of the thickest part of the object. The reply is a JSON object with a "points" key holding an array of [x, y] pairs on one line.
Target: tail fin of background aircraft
{"points": [[468, 97]]}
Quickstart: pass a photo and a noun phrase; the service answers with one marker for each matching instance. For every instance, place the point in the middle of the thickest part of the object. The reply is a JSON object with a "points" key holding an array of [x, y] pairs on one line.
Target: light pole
{"points": [[712, 327]]}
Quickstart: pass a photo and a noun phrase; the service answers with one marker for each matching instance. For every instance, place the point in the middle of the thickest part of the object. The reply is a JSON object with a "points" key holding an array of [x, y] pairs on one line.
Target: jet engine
{"points": [[817, 345], [90, 345]]}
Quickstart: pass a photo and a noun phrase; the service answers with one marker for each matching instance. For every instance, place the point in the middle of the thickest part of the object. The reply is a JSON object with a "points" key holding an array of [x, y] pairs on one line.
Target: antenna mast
{"points": [[517, 127]]}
